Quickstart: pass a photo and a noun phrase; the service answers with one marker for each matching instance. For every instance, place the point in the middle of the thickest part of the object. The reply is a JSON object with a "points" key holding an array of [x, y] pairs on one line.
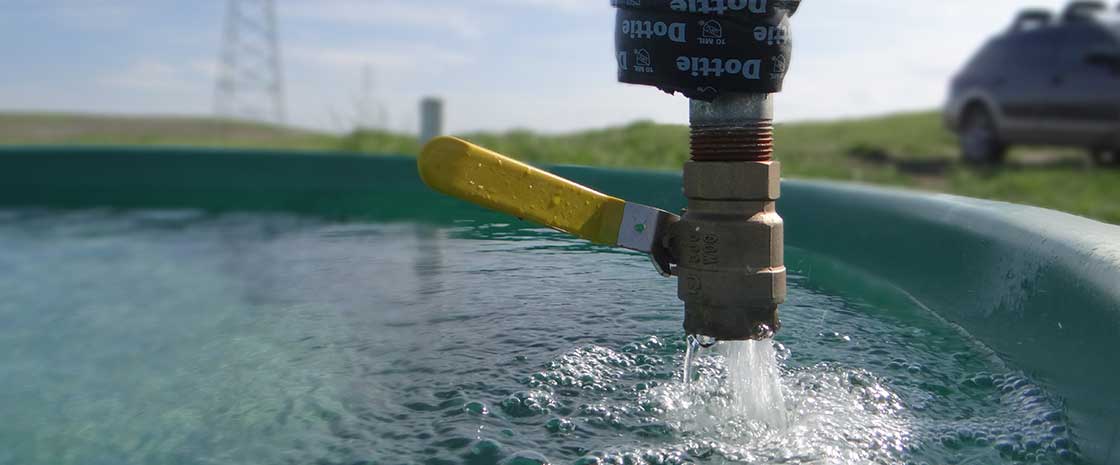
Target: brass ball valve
{"points": [[729, 57]]}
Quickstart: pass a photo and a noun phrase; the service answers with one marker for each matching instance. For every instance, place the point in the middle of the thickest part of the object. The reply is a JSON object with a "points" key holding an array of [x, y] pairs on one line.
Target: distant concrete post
{"points": [[431, 119]]}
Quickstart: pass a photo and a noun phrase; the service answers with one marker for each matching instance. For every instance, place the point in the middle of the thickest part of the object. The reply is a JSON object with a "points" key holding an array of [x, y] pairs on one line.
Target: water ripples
{"points": [[259, 339]]}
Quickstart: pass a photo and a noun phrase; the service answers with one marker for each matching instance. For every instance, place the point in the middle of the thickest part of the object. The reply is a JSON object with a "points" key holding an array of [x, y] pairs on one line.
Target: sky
{"points": [[544, 65]]}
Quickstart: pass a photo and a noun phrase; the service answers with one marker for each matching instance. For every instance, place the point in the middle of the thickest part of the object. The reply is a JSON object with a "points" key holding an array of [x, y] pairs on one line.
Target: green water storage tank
{"points": [[1038, 287]]}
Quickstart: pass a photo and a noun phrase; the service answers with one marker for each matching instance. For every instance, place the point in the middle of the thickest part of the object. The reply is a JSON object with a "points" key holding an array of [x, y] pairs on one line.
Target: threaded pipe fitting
{"points": [[730, 239], [734, 127]]}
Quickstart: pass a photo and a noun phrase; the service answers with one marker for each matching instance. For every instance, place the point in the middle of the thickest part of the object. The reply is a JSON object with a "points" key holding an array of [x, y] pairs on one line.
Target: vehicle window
{"points": [[989, 59], [1110, 25], [1084, 11], [1033, 50], [1031, 20], [1080, 39]]}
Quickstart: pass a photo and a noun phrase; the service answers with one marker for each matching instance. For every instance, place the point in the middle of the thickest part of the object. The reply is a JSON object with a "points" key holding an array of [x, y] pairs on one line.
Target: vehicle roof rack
{"points": [[1081, 10], [1033, 18]]}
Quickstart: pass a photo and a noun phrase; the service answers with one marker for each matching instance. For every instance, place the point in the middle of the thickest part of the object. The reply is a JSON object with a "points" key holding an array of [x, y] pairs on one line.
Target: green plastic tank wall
{"points": [[1041, 288]]}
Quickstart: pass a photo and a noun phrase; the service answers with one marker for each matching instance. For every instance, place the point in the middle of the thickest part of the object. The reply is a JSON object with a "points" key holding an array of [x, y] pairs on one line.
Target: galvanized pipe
{"points": [[734, 127]]}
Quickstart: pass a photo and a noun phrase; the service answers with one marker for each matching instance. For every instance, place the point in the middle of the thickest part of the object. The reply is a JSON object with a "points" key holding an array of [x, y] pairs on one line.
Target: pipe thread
{"points": [[751, 140]]}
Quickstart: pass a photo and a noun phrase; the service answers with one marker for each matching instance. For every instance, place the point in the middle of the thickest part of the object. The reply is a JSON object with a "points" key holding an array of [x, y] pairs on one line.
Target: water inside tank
{"points": [[185, 337]]}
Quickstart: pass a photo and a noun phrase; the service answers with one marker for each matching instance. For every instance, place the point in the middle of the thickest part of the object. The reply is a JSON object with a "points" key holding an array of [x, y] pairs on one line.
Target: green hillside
{"points": [[910, 150]]}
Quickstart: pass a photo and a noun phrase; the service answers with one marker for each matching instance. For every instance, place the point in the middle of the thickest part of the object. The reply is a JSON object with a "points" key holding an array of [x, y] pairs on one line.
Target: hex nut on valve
{"points": [[756, 180]]}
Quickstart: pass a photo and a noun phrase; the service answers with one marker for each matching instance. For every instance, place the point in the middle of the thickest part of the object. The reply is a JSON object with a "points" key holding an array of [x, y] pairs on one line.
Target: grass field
{"points": [[910, 150]]}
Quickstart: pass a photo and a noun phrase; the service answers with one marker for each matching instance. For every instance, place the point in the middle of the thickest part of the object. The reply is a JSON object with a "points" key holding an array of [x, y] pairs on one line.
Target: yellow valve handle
{"points": [[461, 169]]}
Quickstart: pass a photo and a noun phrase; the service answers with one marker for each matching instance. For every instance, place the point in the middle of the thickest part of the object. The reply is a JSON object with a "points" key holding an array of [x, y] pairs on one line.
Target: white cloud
{"points": [[326, 83], [432, 16], [556, 5], [399, 57], [92, 14], [152, 75]]}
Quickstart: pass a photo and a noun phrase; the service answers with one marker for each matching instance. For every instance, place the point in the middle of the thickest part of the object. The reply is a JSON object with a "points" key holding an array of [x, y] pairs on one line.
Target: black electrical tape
{"points": [[702, 48]]}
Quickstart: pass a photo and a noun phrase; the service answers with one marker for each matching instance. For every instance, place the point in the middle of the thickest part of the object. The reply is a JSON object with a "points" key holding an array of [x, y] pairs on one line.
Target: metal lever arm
{"points": [[460, 169]]}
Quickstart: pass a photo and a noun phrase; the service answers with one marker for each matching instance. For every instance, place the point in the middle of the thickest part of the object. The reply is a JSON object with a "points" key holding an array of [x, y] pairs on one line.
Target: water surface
{"points": [[183, 337]]}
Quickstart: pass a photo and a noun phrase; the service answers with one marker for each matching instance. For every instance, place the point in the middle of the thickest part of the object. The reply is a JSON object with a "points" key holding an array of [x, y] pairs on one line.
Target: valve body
{"points": [[729, 243], [729, 57]]}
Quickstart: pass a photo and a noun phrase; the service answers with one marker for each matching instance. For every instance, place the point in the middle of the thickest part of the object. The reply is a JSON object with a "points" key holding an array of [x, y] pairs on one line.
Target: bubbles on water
{"points": [[590, 368], [529, 403], [740, 409], [560, 426], [604, 415], [743, 406], [646, 456], [477, 408], [652, 343], [525, 458], [1040, 433]]}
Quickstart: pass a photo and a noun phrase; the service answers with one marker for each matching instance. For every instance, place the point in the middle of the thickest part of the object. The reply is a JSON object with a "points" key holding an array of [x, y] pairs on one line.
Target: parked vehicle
{"points": [[1045, 81]]}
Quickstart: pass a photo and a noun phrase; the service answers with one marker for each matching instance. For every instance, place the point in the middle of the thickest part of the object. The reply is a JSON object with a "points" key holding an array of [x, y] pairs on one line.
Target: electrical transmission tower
{"points": [[250, 78]]}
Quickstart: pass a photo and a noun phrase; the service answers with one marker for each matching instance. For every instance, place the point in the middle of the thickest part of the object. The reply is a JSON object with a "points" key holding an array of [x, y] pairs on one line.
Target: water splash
{"points": [[734, 381], [741, 407], [754, 381], [694, 343], [692, 346]]}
